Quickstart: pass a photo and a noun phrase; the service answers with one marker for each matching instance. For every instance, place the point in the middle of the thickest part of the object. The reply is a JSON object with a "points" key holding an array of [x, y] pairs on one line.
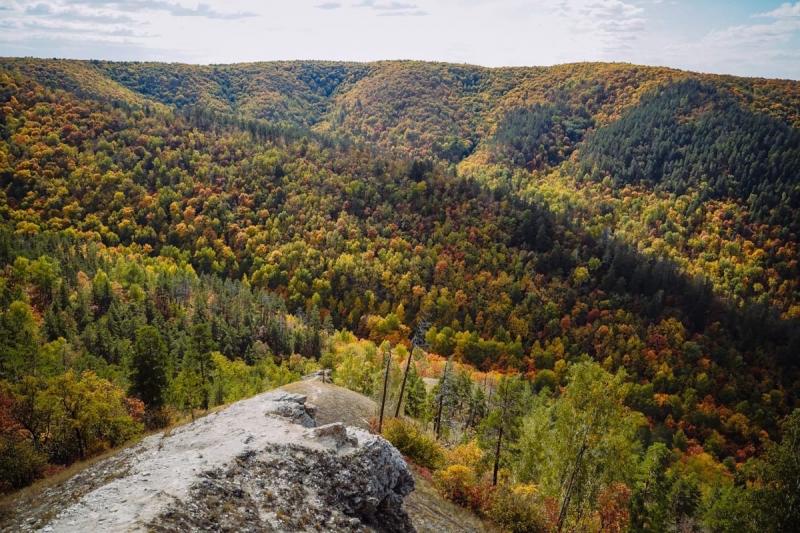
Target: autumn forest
{"points": [[590, 272]]}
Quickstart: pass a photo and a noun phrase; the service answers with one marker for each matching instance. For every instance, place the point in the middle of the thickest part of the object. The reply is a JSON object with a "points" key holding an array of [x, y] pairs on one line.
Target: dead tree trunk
{"points": [[385, 385], [497, 456], [403, 383], [418, 340], [442, 390]]}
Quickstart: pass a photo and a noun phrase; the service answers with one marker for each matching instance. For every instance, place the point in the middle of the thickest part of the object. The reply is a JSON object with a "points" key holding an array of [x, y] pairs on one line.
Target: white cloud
{"points": [[392, 8], [785, 11], [487, 32], [175, 9], [614, 25], [752, 48], [48, 11]]}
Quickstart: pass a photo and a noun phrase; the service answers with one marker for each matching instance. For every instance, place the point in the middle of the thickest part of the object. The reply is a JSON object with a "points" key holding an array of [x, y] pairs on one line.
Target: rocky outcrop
{"points": [[258, 465]]}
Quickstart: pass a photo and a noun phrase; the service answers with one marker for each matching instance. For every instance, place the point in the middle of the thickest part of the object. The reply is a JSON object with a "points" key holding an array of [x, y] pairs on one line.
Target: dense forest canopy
{"points": [[174, 237], [691, 135]]}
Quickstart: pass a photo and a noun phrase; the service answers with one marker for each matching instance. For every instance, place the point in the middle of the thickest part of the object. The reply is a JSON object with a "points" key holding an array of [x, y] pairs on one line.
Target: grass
{"points": [[27, 496]]}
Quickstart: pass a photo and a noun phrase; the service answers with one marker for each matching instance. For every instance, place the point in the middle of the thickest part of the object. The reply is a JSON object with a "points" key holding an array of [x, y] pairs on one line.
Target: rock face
{"points": [[259, 465]]}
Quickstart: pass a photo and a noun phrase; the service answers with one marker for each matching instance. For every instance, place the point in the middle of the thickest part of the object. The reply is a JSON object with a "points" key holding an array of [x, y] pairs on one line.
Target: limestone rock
{"points": [[258, 465]]}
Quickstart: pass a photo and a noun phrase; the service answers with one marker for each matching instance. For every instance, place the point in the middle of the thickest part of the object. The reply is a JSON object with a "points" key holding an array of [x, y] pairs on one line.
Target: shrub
{"points": [[464, 486], [20, 464], [460, 481], [517, 509], [468, 454], [413, 442], [456, 482], [545, 379]]}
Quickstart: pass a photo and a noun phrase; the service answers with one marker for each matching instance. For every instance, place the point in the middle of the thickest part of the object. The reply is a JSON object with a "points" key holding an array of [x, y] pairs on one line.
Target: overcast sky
{"points": [[746, 37]]}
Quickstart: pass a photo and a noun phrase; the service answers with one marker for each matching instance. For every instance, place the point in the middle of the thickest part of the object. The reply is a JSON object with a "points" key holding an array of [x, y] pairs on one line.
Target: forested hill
{"points": [[406, 106], [207, 222], [731, 137]]}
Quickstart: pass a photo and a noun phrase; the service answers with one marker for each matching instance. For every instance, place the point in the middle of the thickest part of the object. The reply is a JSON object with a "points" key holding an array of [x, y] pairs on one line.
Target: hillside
{"points": [[177, 237]]}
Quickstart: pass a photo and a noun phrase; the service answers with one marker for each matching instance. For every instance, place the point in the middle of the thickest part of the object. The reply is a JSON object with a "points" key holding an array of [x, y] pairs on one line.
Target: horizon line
{"points": [[406, 60]]}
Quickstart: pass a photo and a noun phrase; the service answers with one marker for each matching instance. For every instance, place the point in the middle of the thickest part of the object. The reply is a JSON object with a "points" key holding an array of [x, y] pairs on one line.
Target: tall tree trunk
{"points": [[497, 456], [81, 445], [403, 384], [385, 384], [438, 424], [562, 515], [203, 379]]}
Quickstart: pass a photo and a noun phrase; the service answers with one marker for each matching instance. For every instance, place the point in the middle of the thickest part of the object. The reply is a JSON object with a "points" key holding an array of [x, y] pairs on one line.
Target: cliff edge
{"points": [[261, 464]]}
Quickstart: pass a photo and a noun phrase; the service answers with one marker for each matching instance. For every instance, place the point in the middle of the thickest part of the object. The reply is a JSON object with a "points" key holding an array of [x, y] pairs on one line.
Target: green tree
{"points": [[102, 294], [779, 495], [731, 510], [500, 429], [187, 391], [684, 499], [90, 415], [19, 340], [415, 401], [650, 496], [575, 446], [149, 378], [198, 359]]}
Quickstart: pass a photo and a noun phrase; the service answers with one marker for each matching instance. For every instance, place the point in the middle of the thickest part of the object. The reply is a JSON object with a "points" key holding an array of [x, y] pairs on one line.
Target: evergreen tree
{"points": [[778, 498], [501, 428], [198, 359], [416, 396], [149, 379], [19, 338]]}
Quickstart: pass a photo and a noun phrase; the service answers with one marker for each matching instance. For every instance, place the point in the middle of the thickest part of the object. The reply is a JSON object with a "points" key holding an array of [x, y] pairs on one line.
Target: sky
{"points": [[743, 37]]}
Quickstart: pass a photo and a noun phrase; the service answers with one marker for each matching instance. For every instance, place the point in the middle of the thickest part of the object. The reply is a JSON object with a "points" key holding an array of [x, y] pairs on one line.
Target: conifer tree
{"points": [[149, 379]]}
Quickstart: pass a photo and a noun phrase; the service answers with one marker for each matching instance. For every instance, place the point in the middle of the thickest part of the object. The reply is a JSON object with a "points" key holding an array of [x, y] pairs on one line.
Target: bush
{"points": [[467, 454], [413, 442], [456, 482], [460, 481], [518, 509], [545, 379], [20, 464]]}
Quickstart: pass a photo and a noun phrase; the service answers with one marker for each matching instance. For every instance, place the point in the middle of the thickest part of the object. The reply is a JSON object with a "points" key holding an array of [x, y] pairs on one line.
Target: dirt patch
{"points": [[335, 404]]}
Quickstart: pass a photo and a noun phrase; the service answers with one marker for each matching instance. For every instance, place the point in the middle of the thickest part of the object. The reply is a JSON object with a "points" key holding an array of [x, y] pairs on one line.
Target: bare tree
{"points": [[388, 359], [417, 341]]}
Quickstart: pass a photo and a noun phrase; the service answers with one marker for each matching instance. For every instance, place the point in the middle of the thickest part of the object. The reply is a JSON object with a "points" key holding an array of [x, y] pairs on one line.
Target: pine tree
{"points": [[500, 429], [417, 341], [19, 338], [649, 500], [198, 358], [415, 399], [149, 379]]}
